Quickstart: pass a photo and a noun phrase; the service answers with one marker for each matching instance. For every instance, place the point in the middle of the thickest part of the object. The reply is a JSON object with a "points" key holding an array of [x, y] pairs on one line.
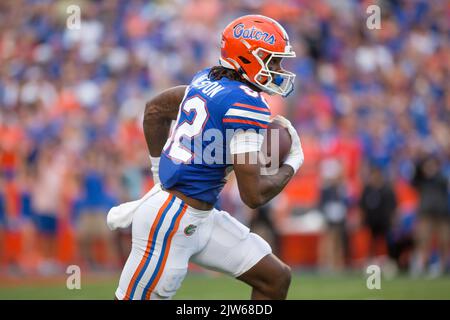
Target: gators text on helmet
{"points": [[248, 45]]}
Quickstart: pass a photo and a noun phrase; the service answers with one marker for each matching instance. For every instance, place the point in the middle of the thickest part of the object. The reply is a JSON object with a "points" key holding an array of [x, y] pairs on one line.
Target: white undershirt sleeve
{"points": [[246, 141]]}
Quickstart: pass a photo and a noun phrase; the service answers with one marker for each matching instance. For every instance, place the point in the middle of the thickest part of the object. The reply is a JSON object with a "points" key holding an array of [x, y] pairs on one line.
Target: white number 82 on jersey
{"points": [[188, 129]]}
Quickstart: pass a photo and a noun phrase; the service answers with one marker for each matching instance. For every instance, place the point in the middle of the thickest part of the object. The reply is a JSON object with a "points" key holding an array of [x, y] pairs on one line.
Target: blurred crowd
{"points": [[372, 108]]}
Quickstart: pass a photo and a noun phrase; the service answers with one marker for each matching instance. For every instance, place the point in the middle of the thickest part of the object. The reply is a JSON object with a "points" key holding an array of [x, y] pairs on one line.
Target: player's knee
{"points": [[284, 281], [279, 283]]}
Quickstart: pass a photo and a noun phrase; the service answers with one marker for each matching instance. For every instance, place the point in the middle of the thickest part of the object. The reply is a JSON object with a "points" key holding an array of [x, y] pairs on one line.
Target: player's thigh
{"points": [[159, 257], [231, 247]]}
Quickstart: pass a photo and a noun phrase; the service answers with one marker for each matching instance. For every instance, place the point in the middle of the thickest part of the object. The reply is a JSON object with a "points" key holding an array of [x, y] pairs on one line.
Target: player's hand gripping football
{"points": [[295, 157]]}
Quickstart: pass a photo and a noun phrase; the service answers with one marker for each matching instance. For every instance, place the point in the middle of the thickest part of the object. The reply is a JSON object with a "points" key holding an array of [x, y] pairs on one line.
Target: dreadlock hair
{"points": [[218, 72]]}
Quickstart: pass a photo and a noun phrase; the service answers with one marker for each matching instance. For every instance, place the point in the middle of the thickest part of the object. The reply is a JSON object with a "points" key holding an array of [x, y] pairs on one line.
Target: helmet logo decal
{"points": [[253, 33]]}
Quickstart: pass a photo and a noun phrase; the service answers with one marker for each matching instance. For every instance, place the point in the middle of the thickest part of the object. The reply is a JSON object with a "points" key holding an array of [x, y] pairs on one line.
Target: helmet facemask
{"points": [[274, 82]]}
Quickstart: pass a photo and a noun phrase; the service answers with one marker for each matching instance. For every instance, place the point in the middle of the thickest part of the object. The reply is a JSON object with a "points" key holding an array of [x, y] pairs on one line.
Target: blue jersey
{"points": [[196, 156]]}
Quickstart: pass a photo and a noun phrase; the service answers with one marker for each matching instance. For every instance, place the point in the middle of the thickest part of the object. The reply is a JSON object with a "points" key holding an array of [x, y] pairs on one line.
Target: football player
{"points": [[176, 222]]}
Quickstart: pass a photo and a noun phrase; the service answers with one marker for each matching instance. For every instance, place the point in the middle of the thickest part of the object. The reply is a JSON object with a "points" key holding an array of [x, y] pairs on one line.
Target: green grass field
{"points": [[210, 287]]}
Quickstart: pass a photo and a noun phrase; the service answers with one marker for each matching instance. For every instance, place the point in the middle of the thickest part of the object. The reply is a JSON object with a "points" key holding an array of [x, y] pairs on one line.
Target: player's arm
{"points": [[160, 111], [158, 116], [256, 189]]}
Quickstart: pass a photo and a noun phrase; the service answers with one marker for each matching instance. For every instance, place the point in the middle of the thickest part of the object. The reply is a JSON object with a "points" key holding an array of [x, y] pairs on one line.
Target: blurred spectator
{"points": [[46, 203], [378, 204], [94, 203], [433, 217], [261, 223], [333, 204]]}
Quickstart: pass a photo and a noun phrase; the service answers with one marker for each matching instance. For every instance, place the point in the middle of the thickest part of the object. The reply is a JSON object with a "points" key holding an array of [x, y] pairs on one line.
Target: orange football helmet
{"points": [[248, 45]]}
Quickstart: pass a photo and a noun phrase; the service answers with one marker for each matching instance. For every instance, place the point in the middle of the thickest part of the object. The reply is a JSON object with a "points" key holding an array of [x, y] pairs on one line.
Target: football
{"points": [[282, 143]]}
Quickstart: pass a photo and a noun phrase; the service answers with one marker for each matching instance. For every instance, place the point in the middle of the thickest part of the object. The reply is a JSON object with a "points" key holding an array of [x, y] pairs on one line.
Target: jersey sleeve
{"points": [[247, 114], [246, 120]]}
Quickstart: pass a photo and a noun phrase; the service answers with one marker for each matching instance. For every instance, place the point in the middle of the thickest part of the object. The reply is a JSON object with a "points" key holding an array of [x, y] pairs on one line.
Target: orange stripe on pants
{"points": [[166, 253], [147, 249]]}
